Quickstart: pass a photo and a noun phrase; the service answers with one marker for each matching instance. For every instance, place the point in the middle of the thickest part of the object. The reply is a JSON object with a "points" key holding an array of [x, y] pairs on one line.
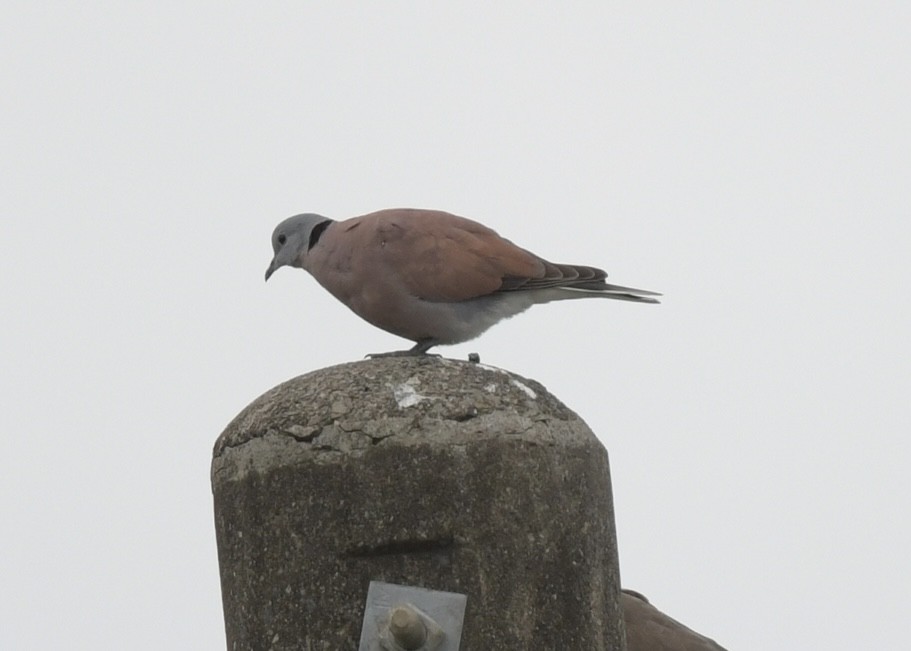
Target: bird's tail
{"points": [[617, 292]]}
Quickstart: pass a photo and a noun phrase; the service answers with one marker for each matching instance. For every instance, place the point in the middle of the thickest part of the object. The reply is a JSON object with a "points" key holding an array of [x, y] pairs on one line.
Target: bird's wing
{"points": [[437, 256]]}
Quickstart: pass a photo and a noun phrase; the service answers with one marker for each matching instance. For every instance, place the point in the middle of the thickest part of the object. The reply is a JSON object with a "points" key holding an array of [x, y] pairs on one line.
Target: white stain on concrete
{"points": [[406, 395], [531, 394], [516, 383]]}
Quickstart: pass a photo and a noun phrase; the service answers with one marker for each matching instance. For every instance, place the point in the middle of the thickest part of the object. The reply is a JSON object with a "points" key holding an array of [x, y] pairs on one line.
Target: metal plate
{"points": [[446, 609]]}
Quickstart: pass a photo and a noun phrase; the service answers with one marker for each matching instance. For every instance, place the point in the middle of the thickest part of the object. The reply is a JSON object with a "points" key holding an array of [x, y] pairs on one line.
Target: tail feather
{"points": [[615, 291], [565, 279]]}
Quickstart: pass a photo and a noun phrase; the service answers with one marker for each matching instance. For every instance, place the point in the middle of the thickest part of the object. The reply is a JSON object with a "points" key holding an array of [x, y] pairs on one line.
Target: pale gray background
{"points": [[750, 160]]}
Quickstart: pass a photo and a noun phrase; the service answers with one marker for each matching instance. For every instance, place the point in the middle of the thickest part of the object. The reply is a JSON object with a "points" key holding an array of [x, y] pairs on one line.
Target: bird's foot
{"points": [[401, 353], [418, 350]]}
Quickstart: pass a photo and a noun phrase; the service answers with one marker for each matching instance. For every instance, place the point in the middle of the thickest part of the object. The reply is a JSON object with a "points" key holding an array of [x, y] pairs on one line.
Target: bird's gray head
{"points": [[293, 238]]}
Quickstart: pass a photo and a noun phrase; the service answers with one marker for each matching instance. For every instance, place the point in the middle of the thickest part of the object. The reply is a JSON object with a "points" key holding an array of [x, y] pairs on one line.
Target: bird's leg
{"points": [[418, 350], [422, 346]]}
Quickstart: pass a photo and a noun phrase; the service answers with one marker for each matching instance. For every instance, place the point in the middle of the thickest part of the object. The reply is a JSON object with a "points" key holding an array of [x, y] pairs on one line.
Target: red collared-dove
{"points": [[430, 276]]}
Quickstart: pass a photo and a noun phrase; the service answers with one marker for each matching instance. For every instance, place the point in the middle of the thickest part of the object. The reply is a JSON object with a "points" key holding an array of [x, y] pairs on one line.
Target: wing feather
{"points": [[437, 256], [442, 257]]}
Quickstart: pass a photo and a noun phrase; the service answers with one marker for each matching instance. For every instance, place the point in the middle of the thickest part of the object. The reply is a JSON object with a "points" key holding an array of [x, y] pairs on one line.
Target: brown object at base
{"points": [[648, 629]]}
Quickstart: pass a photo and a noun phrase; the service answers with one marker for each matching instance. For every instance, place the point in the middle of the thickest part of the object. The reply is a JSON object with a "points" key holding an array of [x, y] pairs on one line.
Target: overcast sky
{"points": [[750, 160]]}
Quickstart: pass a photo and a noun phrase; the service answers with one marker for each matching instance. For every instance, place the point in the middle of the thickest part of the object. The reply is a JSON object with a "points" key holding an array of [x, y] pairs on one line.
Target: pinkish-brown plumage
{"points": [[430, 276]]}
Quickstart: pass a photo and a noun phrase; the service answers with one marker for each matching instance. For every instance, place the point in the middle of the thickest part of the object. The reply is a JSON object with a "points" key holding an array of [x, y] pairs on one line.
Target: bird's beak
{"points": [[272, 267]]}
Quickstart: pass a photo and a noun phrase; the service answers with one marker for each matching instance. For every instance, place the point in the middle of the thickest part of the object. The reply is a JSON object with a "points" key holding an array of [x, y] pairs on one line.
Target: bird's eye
{"points": [[282, 239]]}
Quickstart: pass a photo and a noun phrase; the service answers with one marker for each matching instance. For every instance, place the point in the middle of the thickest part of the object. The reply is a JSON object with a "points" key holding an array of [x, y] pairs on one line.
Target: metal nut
{"points": [[407, 628]]}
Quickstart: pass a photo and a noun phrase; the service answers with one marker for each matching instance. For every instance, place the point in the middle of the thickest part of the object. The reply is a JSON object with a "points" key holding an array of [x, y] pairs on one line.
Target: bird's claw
{"points": [[401, 353]]}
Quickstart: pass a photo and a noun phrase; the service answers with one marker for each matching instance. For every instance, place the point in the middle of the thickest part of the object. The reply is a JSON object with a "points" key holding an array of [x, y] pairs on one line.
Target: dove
{"points": [[430, 276]]}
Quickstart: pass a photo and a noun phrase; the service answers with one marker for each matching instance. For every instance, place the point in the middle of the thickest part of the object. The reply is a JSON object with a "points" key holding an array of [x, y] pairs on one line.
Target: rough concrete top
{"points": [[349, 408], [423, 472]]}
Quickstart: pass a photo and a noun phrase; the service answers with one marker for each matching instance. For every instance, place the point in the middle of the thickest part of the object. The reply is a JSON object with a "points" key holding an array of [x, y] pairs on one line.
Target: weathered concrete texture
{"points": [[435, 473]]}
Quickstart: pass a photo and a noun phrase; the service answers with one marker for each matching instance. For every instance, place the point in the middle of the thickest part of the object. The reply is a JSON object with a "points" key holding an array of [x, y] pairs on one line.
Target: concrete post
{"points": [[426, 472]]}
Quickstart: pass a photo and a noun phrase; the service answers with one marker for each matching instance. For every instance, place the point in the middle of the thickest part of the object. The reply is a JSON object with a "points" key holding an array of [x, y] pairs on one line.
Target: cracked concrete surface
{"points": [[422, 471]]}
